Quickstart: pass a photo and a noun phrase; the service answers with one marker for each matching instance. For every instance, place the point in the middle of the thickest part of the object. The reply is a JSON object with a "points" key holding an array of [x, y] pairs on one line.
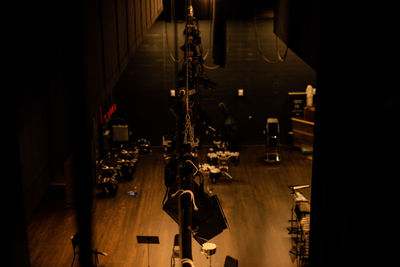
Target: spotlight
{"points": [[172, 92], [240, 92]]}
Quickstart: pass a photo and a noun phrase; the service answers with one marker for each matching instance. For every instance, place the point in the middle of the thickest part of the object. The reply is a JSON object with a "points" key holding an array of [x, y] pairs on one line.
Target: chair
{"points": [[75, 239]]}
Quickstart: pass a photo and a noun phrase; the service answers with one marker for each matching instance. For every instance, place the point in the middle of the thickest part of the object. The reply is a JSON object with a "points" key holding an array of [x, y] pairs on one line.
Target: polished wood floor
{"points": [[256, 204]]}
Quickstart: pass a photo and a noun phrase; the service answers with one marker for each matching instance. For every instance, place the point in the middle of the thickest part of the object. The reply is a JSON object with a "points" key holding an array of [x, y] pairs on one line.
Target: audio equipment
{"points": [[120, 133], [231, 262], [215, 174], [109, 186], [207, 222], [212, 158]]}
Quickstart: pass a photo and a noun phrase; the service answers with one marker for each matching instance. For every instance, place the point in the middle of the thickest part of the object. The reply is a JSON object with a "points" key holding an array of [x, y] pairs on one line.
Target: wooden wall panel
{"points": [[148, 14], [131, 27], [157, 6], [160, 6], [138, 21], [110, 43], [94, 54], [153, 10], [143, 16], [122, 24], [118, 31], [111, 30]]}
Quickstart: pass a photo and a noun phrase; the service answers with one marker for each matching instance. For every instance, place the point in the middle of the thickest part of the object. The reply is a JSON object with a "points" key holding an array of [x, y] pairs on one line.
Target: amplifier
{"points": [[120, 133]]}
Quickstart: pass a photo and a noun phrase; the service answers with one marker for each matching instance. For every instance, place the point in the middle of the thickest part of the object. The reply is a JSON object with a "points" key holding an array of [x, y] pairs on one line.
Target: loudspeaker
{"points": [[120, 133], [207, 222], [231, 262], [170, 172], [219, 45]]}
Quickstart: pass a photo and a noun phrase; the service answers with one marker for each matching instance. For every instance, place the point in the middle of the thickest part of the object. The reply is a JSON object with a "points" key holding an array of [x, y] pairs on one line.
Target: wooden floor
{"points": [[256, 204]]}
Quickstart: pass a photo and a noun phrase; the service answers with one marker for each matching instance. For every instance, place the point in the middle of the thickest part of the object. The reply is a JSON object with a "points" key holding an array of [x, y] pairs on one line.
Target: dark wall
{"points": [[348, 136], [142, 92]]}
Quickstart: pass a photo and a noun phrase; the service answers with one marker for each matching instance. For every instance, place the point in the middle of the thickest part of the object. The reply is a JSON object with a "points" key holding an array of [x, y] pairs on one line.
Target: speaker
{"points": [[219, 45], [120, 133], [207, 222], [171, 205], [170, 172], [231, 262]]}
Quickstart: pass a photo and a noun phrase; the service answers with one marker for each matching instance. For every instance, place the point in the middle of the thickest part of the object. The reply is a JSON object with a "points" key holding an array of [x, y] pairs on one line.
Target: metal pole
{"points": [[148, 255], [184, 201], [185, 182]]}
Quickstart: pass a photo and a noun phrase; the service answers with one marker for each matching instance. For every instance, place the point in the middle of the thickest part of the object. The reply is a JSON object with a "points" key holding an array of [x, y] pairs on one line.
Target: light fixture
{"points": [[172, 92], [240, 92]]}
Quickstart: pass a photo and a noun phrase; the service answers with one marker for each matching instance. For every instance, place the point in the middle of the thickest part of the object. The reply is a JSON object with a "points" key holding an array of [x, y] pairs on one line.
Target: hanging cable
{"points": [[263, 56], [186, 260], [211, 67], [189, 131], [175, 60], [280, 58], [197, 169], [181, 192]]}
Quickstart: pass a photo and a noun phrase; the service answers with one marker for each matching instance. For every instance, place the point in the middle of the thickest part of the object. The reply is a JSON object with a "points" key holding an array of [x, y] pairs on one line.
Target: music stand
{"points": [[143, 239]]}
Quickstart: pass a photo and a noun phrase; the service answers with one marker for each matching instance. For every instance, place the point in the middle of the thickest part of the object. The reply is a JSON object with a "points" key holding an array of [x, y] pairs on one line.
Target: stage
{"points": [[257, 206]]}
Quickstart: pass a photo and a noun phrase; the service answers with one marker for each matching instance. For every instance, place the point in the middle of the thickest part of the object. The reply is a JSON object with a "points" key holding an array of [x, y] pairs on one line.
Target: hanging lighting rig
{"points": [[190, 81]]}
